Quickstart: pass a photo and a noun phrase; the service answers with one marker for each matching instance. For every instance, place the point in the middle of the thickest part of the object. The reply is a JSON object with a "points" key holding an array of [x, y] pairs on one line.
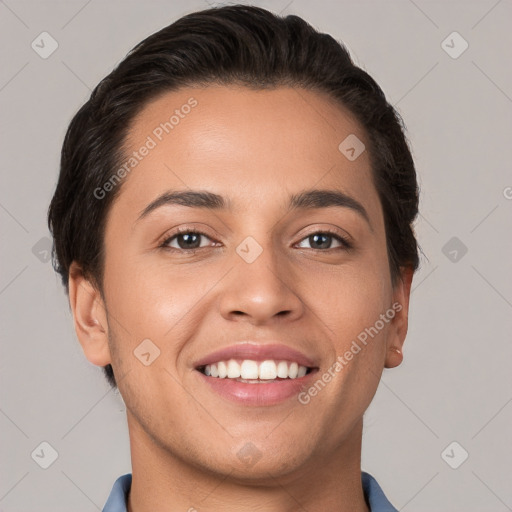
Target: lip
{"points": [[265, 394], [257, 352]]}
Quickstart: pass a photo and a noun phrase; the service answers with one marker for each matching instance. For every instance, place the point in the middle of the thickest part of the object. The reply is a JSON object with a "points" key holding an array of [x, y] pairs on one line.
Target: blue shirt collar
{"points": [[375, 498]]}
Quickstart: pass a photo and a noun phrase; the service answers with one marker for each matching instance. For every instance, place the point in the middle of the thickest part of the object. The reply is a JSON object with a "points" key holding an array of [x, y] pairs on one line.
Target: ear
{"points": [[399, 324], [89, 317]]}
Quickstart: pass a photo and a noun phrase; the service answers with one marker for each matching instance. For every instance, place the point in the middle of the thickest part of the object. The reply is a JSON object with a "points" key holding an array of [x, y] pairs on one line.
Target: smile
{"points": [[251, 371], [256, 374]]}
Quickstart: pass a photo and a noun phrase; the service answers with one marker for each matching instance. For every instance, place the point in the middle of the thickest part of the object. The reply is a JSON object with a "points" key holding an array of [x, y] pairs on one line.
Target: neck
{"points": [[164, 482]]}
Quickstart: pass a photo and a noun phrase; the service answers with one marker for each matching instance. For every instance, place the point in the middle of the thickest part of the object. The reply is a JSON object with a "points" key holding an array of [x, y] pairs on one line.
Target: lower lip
{"points": [[265, 393]]}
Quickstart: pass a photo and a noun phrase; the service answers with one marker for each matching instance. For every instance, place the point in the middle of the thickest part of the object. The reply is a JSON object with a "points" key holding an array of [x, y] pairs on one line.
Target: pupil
{"points": [[324, 245], [187, 237]]}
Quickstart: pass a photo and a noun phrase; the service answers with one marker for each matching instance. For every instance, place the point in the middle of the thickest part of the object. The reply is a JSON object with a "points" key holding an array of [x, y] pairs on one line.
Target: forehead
{"points": [[252, 146]]}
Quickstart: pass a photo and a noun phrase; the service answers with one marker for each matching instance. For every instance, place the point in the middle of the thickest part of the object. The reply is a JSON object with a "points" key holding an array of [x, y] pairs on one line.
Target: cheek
{"points": [[352, 298], [151, 299]]}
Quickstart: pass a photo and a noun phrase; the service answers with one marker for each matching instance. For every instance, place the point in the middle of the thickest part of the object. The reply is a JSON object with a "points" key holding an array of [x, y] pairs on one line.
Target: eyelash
{"points": [[346, 244]]}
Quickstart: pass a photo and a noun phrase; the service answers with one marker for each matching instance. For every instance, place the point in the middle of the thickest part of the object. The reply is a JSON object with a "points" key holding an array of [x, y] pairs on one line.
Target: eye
{"points": [[189, 240], [323, 240], [185, 240]]}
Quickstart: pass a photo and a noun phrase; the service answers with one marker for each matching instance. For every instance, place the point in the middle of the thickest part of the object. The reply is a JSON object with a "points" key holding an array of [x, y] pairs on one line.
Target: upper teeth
{"points": [[248, 369]]}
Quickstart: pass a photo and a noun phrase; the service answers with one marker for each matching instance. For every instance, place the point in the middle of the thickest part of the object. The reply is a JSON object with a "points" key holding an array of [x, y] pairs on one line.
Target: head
{"points": [[239, 103]]}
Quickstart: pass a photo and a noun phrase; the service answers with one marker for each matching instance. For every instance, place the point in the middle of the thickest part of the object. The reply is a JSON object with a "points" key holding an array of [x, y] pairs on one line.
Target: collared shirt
{"points": [[374, 496]]}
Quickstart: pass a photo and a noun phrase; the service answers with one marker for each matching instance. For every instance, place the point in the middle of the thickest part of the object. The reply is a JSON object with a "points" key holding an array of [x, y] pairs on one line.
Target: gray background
{"points": [[455, 381]]}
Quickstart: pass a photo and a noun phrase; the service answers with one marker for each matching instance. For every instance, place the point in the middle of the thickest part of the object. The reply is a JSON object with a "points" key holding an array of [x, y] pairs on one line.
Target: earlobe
{"points": [[89, 317], [394, 357], [399, 324]]}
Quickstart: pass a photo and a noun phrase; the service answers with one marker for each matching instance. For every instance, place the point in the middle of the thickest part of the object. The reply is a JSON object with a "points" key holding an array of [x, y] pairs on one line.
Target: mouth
{"points": [[250, 371], [256, 383], [255, 374]]}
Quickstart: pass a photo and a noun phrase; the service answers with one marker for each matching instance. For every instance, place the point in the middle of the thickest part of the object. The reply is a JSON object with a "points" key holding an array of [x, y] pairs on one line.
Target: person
{"points": [[233, 225]]}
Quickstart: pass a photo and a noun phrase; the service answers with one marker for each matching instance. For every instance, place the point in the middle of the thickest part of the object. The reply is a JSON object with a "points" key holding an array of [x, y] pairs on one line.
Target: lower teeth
{"points": [[256, 381]]}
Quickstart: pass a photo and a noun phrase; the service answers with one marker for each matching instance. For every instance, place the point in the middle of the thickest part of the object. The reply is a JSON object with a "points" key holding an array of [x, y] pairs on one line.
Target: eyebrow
{"points": [[305, 200]]}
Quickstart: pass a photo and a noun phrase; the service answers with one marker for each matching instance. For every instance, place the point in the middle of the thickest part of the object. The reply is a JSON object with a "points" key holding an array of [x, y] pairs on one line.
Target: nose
{"points": [[262, 290]]}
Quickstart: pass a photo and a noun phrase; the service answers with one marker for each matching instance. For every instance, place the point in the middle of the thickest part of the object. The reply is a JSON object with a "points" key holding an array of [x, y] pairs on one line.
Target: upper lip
{"points": [[257, 352]]}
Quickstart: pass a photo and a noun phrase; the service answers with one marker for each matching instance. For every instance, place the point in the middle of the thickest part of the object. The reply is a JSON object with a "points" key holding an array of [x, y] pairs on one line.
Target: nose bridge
{"points": [[261, 285], [260, 259]]}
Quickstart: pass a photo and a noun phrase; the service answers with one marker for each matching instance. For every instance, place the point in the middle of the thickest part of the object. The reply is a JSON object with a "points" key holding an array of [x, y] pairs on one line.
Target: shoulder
{"points": [[374, 495], [116, 501]]}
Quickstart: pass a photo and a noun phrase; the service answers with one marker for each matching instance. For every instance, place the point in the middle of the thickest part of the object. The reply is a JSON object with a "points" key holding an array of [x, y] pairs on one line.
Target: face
{"points": [[265, 271]]}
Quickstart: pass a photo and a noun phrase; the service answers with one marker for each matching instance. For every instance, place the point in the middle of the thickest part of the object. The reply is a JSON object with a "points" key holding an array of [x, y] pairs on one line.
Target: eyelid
{"points": [[345, 240], [329, 229], [169, 235]]}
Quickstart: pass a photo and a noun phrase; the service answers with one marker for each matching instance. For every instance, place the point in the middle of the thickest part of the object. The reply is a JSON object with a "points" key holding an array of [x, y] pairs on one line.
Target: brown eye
{"points": [[188, 240], [323, 240]]}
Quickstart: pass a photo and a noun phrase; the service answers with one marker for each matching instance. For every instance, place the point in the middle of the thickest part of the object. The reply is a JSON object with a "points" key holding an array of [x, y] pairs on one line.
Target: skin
{"points": [[255, 148]]}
